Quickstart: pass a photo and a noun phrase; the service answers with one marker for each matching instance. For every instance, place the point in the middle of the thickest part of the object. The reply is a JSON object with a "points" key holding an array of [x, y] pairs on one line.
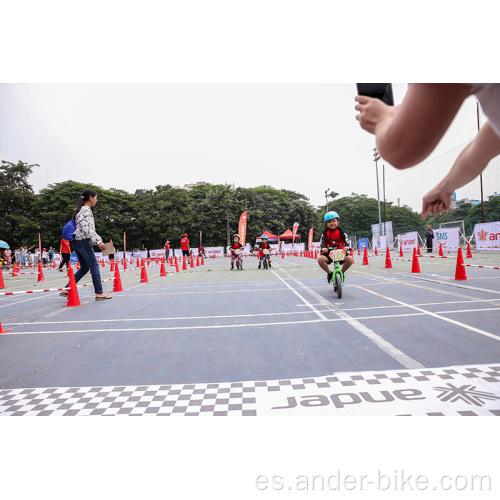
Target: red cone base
{"points": [[365, 257], [117, 283], [460, 270], [415, 266], [73, 298], [388, 262]]}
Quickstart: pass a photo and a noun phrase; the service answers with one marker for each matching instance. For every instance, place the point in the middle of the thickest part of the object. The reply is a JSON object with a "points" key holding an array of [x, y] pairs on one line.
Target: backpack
{"points": [[68, 232]]}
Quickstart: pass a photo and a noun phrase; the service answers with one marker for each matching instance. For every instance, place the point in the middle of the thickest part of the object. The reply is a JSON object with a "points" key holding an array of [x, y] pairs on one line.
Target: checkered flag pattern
{"points": [[228, 399]]}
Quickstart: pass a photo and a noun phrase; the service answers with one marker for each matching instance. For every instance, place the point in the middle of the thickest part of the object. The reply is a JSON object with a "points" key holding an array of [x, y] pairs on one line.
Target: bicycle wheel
{"points": [[265, 263], [338, 285], [241, 264]]}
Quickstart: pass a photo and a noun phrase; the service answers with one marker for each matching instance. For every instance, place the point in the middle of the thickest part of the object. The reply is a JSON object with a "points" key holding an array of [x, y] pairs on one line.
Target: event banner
{"points": [[487, 236], [294, 231], [408, 241], [380, 242], [242, 231], [363, 243], [310, 239], [449, 239], [386, 230]]}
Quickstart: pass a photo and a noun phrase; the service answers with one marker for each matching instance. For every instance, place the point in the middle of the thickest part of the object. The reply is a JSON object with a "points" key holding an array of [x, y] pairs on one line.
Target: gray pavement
{"points": [[210, 326]]}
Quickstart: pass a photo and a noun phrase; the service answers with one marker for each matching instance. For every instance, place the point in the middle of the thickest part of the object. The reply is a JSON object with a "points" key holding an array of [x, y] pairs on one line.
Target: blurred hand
{"points": [[436, 201], [102, 247]]}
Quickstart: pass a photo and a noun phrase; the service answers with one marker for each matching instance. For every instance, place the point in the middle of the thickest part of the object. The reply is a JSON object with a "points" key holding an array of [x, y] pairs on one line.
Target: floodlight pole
{"points": [[326, 198], [481, 174], [376, 157]]}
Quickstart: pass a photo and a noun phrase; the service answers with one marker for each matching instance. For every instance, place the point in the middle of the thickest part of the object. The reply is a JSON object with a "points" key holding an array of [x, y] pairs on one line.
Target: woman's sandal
{"points": [[103, 298], [63, 294]]}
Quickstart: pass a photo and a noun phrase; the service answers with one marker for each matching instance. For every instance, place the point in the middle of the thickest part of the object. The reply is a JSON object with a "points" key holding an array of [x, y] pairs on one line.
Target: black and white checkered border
{"points": [[169, 400], [225, 399], [349, 379]]}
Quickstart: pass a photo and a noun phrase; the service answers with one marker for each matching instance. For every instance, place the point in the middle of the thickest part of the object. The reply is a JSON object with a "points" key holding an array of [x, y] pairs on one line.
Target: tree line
{"points": [[150, 216]]}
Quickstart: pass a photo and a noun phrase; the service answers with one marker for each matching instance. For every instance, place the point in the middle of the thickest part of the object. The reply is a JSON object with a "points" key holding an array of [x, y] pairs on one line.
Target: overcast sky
{"points": [[302, 137]]}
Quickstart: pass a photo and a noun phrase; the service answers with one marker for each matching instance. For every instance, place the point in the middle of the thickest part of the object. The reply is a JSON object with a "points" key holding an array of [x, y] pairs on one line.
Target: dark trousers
{"points": [[85, 253], [428, 243], [65, 260]]}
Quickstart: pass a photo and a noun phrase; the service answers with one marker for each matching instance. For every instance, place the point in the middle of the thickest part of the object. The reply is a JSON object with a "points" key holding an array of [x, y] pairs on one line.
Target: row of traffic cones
{"points": [[460, 273]]}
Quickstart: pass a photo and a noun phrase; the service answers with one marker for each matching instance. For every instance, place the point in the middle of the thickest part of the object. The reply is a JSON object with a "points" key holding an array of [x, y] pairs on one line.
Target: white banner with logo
{"points": [[408, 241], [449, 239], [487, 236], [380, 242]]}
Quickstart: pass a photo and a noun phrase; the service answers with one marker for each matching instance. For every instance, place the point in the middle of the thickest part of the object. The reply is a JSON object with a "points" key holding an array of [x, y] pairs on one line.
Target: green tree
{"points": [[16, 196], [54, 206], [163, 213]]}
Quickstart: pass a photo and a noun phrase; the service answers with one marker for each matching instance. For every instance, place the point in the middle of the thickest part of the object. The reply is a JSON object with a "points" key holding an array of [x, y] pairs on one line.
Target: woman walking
{"points": [[85, 237]]}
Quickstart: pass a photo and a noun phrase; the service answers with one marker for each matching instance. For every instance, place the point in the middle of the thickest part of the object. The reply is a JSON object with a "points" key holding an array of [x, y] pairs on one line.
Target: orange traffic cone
{"points": [[415, 266], [441, 250], [117, 282], [112, 266], [197, 261], [359, 252], [73, 298], [376, 252], [282, 255], [2, 285], [54, 264], [77, 265], [40, 272], [388, 262], [460, 270], [365, 257], [400, 250], [469, 253], [202, 260], [176, 265], [163, 272], [192, 261], [184, 265], [2, 330], [418, 251], [144, 274]]}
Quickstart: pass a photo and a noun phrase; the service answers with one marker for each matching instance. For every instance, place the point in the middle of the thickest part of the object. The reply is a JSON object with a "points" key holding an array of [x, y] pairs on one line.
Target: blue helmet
{"points": [[331, 215], [265, 237]]}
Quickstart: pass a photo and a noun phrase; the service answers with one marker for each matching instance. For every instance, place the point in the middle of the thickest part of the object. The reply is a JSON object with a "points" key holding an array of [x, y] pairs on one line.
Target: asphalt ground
{"points": [[210, 327]]}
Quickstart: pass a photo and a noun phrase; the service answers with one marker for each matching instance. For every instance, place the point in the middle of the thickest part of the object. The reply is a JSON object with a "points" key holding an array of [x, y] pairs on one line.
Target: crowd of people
{"points": [[25, 257]]}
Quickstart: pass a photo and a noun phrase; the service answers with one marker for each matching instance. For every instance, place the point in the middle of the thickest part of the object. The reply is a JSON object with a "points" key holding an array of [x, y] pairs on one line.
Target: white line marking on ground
{"points": [[387, 347], [435, 315], [321, 315]]}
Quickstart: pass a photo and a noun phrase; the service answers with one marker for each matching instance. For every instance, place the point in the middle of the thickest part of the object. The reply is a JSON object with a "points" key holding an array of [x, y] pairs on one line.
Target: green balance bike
{"points": [[338, 275]]}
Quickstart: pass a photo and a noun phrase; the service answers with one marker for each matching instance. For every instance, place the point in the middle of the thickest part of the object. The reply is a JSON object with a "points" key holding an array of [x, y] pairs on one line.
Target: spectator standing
{"points": [[45, 257], [185, 246], [51, 255], [429, 236], [24, 254], [8, 255], [85, 237], [65, 252], [167, 249], [17, 256]]}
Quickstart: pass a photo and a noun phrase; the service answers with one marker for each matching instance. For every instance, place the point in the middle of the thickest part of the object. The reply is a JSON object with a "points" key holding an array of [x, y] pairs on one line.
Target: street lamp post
{"points": [[376, 157]]}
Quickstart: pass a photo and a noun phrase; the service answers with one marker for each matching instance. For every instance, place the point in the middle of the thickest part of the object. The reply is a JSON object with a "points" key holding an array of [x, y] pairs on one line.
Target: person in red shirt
{"points": [[65, 252], [185, 245], [333, 237], [264, 246], [236, 246], [167, 249]]}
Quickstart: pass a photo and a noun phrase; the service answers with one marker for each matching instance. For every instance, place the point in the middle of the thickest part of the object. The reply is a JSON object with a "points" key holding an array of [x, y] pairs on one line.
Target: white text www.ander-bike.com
{"points": [[397, 480]]}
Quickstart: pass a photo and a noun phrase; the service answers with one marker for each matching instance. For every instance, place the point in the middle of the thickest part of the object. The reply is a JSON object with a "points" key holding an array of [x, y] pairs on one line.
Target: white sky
{"points": [[302, 137], [297, 131]]}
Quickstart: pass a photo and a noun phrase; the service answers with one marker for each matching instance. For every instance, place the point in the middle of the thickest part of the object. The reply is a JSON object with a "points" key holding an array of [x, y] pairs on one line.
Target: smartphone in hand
{"points": [[382, 91]]}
